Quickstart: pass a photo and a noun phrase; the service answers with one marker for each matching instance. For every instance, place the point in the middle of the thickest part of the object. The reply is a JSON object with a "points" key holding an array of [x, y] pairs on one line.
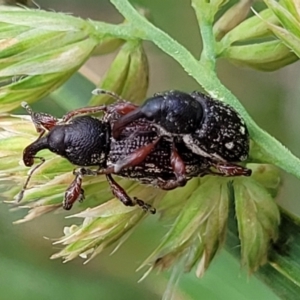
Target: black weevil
{"points": [[208, 127], [86, 141]]}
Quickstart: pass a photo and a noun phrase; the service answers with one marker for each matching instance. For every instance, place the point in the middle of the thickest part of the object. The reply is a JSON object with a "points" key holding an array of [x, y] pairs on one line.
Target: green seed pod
{"points": [[39, 51], [267, 56], [127, 76], [288, 17], [250, 29], [231, 18]]}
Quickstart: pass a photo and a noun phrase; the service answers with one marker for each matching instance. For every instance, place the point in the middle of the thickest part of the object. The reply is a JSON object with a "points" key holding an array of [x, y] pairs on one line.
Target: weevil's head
{"points": [[84, 141]]}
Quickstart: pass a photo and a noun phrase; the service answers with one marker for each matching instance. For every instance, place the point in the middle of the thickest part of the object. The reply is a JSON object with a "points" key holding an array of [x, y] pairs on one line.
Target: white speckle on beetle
{"points": [[229, 145]]}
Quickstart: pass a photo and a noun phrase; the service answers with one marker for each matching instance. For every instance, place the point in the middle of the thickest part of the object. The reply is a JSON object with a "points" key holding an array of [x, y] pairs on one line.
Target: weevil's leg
{"points": [[99, 91], [74, 192], [20, 196], [120, 194], [121, 123], [227, 170], [83, 111], [178, 167], [135, 158], [41, 121], [168, 184], [123, 107], [120, 108]]}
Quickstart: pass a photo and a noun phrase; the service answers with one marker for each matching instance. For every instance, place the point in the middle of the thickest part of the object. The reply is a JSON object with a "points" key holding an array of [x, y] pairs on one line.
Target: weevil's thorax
{"points": [[222, 132], [84, 141], [177, 112]]}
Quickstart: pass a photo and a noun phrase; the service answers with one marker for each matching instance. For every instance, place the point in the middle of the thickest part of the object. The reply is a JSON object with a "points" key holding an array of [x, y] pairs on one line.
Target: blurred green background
{"points": [[272, 100]]}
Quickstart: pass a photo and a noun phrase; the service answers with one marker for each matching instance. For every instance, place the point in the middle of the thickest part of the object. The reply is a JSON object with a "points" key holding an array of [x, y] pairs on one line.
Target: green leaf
{"points": [[267, 56]]}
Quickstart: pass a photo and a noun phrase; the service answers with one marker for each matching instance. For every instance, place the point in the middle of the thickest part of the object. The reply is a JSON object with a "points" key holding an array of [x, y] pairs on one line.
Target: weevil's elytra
{"points": [[223, 132]]}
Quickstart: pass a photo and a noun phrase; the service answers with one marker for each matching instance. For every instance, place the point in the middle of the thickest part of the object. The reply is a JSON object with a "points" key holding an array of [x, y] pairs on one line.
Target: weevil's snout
{"points": [[28, 156], [31, 150]]}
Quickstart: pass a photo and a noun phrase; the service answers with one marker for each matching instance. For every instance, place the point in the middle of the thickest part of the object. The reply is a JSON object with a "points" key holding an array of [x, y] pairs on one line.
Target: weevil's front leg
{"points": [[121, 123], [74, 192], [120, 194]]}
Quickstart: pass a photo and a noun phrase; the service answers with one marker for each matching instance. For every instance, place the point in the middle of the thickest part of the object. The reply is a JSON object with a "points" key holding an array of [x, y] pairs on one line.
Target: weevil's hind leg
{"points": [[228, 170], [168, 184], [178, 167], [120, 194]]}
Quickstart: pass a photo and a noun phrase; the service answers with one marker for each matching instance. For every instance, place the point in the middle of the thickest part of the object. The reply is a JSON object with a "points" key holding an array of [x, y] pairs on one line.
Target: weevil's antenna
{"points": [[27, 108], [20, 196], [105, 92], [28, 159]]}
